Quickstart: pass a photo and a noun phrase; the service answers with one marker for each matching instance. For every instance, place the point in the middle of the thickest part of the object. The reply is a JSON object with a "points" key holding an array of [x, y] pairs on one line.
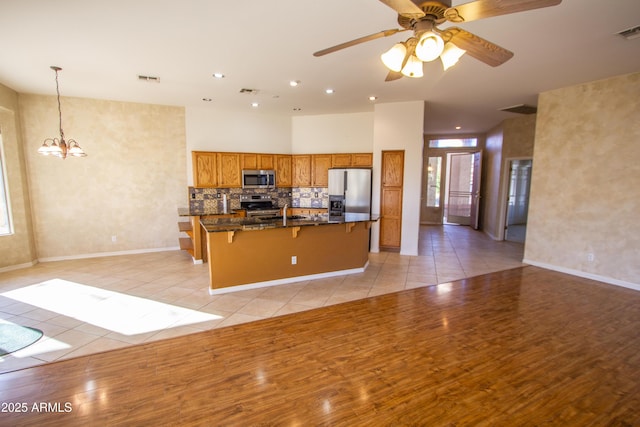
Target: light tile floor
{"points": [[92, 305]]}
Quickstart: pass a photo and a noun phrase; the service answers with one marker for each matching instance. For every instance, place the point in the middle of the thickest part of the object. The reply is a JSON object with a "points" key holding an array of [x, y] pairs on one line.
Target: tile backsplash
{"points": [[210, 200]]}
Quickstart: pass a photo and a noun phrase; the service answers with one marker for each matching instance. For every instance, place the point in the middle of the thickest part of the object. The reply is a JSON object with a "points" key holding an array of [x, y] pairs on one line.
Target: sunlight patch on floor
{"points": [[117, 312]]}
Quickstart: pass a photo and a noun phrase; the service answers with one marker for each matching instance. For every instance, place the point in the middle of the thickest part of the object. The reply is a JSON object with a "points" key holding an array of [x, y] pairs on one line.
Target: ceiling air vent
{"points": [[149, 79], [631, 33], [521, 109]]}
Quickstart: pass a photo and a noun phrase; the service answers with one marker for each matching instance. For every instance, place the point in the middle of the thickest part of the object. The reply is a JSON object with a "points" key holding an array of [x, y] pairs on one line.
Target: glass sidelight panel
{"points": [[432, 198], [434, 169]]}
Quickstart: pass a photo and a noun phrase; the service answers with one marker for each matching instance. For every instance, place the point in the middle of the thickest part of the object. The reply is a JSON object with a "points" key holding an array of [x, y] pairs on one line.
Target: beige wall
{"points": [[129, 186], [586, 175], [17, 249], [512, 139], [492, 165], [399, 126]]}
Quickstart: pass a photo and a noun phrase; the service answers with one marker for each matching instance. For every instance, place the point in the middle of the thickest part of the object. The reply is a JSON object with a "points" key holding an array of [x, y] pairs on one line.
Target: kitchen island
{"points": [[247, 253]]}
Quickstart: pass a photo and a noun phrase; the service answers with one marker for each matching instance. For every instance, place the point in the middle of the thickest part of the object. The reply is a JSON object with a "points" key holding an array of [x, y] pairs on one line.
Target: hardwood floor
{"points": [[521, 347]]}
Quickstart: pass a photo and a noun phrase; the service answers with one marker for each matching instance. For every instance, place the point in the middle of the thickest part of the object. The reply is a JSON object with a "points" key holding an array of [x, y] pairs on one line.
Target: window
{"points": [[453, 143], [5, 213], [434, 171]]}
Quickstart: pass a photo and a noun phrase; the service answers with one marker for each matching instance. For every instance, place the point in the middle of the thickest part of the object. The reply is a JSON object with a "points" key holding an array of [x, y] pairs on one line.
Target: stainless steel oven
{"points": [[258, 178], [259, 205]]}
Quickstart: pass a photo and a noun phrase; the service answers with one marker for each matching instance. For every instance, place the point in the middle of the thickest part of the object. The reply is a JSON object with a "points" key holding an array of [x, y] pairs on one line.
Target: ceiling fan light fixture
{"points": [[429, 47], [394, 57], [413, 68], [450, 55]]}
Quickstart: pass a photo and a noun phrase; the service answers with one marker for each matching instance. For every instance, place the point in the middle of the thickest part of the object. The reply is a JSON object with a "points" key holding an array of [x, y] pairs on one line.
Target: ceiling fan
{"points": [[430, 42]]}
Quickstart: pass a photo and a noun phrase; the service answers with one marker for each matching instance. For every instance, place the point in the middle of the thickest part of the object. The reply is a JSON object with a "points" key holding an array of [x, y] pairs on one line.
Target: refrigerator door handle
{"points": [[346, 185]]}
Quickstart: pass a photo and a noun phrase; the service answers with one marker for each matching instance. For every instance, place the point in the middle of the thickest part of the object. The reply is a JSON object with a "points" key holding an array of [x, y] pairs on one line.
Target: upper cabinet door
{"points": [[266, 161], [229, 172], [301, 170], [362, 159], [283, 170], [320, 170], [341, 160], [249, 161], [205, 169]]}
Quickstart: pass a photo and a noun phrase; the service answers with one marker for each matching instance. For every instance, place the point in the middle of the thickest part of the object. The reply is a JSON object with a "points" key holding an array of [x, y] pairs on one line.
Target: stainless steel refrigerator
{"points": [[349, 192]]}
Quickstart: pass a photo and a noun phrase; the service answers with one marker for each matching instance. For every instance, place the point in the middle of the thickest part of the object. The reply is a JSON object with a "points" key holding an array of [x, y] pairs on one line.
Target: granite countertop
{"points": [[214, 225]]}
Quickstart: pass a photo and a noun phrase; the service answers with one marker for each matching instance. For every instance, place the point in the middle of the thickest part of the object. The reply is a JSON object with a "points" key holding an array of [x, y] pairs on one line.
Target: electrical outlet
{"points": [[294, 260], [591, 257], [193, 195], [114, 238], [316, 193], [218, 195]]}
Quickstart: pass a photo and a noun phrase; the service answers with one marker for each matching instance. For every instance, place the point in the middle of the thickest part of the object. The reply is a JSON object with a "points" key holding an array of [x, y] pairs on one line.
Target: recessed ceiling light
{"points": [[458, 127], [218, 75], [294, 83], [255, 104], [329, 91], [373, 98]]}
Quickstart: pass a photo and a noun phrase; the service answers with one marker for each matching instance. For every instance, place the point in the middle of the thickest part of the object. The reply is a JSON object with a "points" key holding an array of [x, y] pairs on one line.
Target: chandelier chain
{"points": [[59, 107]]}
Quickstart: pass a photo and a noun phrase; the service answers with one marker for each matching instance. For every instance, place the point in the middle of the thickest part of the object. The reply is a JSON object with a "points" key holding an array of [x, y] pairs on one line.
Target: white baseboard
{"points": [[491, 236], [103, 254], [609, 280], [287, 280], [18, 266]]}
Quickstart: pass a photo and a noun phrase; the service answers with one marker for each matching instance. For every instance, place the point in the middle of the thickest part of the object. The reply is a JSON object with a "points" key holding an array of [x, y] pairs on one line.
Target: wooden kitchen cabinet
{"points": [[266, 161], [308, 211], [229, 171], [320, 170], [345, 160], [342, 160], [301, 170], [391, 200], [257, 161], [283, 170], [213, 169], [224, 169], [362, 160], [205, 169], [249, 161]]}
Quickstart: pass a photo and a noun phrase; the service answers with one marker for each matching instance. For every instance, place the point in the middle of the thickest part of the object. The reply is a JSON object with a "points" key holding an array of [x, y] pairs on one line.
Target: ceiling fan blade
{"points": [[385, 33], [393, 75], [480, 9], [479, 48], [405, 8]]}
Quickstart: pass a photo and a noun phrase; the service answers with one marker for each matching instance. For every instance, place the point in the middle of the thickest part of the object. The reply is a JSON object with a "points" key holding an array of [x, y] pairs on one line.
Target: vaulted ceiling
{"points": [[261, 45]]}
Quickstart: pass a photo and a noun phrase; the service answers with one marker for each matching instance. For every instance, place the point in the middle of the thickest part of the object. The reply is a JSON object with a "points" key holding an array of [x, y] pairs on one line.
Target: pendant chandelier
{"points": [[60, 147]]}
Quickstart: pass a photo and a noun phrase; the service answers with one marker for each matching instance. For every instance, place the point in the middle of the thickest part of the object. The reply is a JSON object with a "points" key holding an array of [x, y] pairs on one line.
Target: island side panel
{"points": [[262, 255]]}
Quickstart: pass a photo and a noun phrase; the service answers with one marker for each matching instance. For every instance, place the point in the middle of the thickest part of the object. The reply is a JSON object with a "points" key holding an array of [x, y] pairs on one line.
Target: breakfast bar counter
{"points": [[246, 253]]}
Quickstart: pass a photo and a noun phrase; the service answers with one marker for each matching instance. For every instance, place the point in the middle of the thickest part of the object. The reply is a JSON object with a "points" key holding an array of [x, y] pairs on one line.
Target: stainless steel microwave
{"points": [[258, 178]]}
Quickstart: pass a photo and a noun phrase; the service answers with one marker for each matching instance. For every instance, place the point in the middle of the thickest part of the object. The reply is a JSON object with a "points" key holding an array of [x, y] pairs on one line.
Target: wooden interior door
{"points": [[391, 200]]}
